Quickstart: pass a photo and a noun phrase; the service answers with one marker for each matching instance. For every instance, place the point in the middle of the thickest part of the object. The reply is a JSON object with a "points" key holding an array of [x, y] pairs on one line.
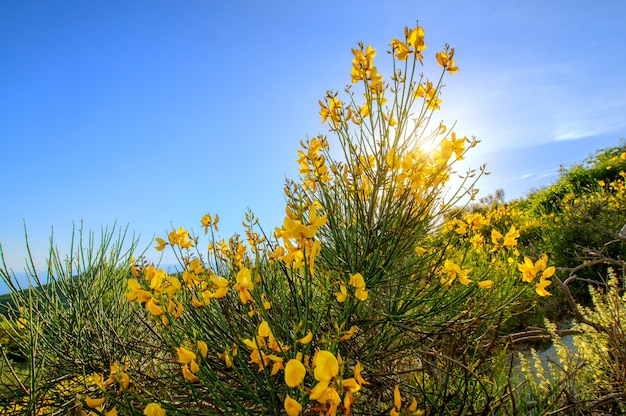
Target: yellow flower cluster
{"points": [[298, 235], [363, 68], [530, 271], [313, 163], [445, 58], [329, 387], [117, 375], [418, 172], [264, 349], [413, 44], [509, 240], [163, 288], [356, 281], [189, 360], [451, 271]]}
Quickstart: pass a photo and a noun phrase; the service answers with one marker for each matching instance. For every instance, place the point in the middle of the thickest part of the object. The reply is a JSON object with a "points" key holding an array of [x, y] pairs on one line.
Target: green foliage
{"points": [[581, 212], [589, 377], [74, 325], [604, 165]]}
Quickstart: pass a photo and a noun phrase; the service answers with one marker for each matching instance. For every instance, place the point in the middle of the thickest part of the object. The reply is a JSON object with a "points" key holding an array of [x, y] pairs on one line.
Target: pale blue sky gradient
{"points": [[152, 113]]}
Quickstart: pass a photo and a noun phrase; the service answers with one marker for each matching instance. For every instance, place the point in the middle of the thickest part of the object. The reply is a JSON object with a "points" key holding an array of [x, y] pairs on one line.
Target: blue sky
{"points": [[153, 113]]}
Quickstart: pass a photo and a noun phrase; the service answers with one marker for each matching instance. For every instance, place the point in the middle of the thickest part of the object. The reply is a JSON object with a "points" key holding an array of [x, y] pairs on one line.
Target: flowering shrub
{"points": [[367, 299]]}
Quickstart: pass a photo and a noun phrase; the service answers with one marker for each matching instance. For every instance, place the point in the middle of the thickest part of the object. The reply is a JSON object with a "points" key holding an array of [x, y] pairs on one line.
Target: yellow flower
{"points": [[294, 373], [446, 61], [397, 400], [461, 227], [320, 392], [548, 272], [161, 244], [264, 329], [136, 292], [332, 111], [117, 374], [453, 271], [358, 282], [358, 368], [185, 356], [349, 333], [188, 374], [93, 403], [541, 288], [529, 269], [326, 366], [180, 238], [278, 363], [153, 307], [496, 236], [306, 339], [510, 239], [485, 284], [228, 355], [207, 222], [222, 286], [342, 295], [419, 251], [153, 409], [415, 38], [361, 294], [292, 407], [351, 385], [244, 284], [266, 303], [400, 49], [203, 348], [476, 220]]}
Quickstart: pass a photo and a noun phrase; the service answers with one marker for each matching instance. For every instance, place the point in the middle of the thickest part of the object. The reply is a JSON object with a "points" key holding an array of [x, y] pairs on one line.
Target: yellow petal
{"points": [[326, 366], [203, 348], [292, 407], [549, 272], [349, 333], [485, 284], [153, 308], [153, 409], [124, 380], [93, 403], [341, 296], [361, 294], [194, 367], [397, 401], [306, 339], [351, 385], [185, 356], [189, 375], [161, 244], [264, 329], [294, 373], [541, 288], [357, 281]]}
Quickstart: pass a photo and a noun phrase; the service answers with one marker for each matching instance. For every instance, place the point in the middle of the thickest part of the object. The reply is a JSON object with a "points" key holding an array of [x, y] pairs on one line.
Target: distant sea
{"points": [[20, 277], [22, 280]]}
